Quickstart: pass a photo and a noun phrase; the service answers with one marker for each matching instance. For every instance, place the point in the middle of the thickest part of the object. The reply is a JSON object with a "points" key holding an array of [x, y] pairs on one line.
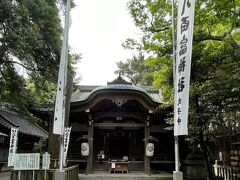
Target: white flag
{"points": [[59, 111], [66, 139], [183, 65], [12, 145]]}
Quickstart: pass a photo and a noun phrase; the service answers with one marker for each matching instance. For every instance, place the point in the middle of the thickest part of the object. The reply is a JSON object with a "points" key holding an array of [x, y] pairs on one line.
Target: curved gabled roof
{"points": [[86, 99], [87, 92]]}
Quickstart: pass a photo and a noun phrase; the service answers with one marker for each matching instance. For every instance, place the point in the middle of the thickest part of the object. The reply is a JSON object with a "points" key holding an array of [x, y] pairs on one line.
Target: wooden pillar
{"points": [[130, 142], [90, 142], [146, 159]]}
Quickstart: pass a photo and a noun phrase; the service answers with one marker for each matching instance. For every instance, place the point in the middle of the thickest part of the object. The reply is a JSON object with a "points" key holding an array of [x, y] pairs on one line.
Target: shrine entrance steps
{"points": [[104, 175]]}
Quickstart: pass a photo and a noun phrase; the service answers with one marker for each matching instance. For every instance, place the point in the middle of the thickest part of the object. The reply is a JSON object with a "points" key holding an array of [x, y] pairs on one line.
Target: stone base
{"points": [[59, 175], [177, 175]]}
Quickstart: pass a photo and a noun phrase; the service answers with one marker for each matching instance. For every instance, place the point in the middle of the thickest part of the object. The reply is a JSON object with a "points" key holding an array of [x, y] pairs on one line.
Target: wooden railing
{"points": [[226, 172], [71, 173]]}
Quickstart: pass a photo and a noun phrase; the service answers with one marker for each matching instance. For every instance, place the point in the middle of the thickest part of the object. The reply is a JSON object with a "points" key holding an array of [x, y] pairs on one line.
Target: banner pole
{"points": [[64, 55], [59, 113], [176, 153], [174, 83], [177, 175], [19, 175], [45, 174], [33, 175], [61, 155]]}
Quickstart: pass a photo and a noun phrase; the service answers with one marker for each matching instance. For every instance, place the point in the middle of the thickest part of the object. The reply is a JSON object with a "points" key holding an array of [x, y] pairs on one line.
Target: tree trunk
{"points": [[53, 145], [206, 159]]}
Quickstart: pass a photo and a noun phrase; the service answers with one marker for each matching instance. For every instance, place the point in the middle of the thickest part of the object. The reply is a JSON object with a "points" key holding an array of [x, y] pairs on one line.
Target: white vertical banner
{"points": [[12, 146], [59, 111], [67, 132], [183, 65], [59, 103]]}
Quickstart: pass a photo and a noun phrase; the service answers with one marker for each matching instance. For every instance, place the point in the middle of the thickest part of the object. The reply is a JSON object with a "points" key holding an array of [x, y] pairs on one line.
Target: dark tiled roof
{"points": [[10, 118], [83, 92], [88, 88], [6, 123]]}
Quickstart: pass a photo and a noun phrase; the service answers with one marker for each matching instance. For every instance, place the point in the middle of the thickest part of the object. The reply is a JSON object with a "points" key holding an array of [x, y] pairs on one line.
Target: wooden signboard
{"points": [[28, 161]]}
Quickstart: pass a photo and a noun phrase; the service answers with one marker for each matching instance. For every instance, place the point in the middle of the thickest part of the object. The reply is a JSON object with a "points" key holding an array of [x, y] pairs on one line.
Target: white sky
{"points": [[98, 29]]}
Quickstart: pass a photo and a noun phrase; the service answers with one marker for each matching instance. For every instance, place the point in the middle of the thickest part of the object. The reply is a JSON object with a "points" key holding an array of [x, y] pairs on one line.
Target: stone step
{"points": [[125, 176]]}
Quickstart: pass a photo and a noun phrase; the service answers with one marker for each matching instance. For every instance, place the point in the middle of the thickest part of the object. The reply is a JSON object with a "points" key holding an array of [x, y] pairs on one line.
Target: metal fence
{"points": [[71, 173]]}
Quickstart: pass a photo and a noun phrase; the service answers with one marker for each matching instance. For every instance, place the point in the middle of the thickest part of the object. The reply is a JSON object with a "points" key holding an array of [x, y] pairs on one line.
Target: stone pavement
{"points": [[104, 175]]}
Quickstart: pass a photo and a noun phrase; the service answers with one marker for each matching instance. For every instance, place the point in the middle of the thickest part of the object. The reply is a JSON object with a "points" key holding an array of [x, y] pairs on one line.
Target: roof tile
{"points": [[10, 118]]}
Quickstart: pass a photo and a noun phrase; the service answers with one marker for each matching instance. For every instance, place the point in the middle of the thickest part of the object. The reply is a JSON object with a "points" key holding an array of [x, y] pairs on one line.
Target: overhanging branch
{"points": [[233, 43], [15, 62], [154, 30]]}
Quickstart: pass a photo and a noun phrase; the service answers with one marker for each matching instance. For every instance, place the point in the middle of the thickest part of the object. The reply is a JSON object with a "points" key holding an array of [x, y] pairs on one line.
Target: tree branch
{"points": [[154, 30], [210, 37], [233, 43], [15, 62]]}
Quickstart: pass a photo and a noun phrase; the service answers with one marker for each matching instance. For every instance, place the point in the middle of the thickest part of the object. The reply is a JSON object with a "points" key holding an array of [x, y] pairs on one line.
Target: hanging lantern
{"points": [[85, 149], [149, 149]]}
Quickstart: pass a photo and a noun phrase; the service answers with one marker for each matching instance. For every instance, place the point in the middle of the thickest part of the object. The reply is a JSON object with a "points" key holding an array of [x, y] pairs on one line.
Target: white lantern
{"points": [[85, 149], [149, 149]]}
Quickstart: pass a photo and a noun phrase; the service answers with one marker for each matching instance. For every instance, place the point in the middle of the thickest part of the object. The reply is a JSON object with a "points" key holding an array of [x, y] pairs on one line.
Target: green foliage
{"points": [[215, 70], [30, 38], [216, 50], [136, 71], [43, 91], [153, 18]]}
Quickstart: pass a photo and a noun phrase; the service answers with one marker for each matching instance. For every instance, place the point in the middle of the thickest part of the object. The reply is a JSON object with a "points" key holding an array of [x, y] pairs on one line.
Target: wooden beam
{"points": [[126, 125], [137, 115], [110, 94]]}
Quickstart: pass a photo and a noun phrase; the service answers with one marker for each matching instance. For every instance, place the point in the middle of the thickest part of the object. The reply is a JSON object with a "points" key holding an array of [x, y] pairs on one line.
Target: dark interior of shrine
{"points": [[118, 142]]}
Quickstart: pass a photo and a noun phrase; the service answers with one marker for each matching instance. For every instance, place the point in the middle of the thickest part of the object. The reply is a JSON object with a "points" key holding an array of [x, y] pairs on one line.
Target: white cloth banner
{"points": [[59, 111], [12, 146], [183, 65], [67, 132]]}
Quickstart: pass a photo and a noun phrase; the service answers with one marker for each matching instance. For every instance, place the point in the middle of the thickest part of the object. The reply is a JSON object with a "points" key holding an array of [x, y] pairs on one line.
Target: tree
{"points": [[214, 91], [135, 70], [30, 37]]}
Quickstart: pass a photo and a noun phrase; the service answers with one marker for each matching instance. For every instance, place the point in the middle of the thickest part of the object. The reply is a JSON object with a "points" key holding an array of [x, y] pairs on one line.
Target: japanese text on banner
{"points": [[67, 132], [183, 65], [12, 146]]}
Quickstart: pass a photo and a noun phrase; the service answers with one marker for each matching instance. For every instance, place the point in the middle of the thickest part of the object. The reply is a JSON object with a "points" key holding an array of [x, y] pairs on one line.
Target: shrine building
{"points": [[120, 125]]}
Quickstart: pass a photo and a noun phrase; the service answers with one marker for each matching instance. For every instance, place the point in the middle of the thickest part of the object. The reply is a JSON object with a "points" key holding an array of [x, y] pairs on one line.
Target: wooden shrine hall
{"points": [[113, 125], [119, 128]]}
